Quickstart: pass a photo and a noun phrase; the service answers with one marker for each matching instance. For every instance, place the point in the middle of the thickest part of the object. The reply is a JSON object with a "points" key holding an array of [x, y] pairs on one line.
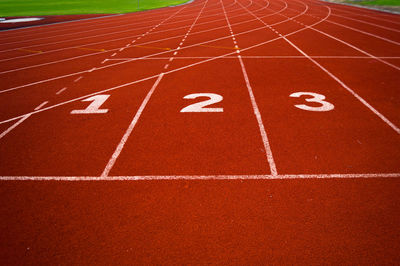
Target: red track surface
{"points": [[300, 182]]}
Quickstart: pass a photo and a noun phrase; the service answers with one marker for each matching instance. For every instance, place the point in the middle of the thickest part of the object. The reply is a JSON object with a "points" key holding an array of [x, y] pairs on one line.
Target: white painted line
{"points": [[41, 105], [114, 54], [105, 60], [175, 53], [198, 177], [256, 111], [78, 79], [128, 132], [8, 130], [60, 91], [91, 70], [166, 66], [171, 59]]}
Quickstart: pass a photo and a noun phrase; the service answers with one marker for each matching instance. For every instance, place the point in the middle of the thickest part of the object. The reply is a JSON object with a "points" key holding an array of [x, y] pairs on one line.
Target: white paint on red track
{"points": [[196, 177]]}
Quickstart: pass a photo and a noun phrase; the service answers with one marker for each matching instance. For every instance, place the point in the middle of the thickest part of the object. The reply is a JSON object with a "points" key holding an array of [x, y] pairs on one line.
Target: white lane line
{"points": [[128, 132], [78, 79], [14, 126], [166, 66], [41, 105], [114, 54], [60, 91], [358, 97], [8, 130], [198, 177], [256, 111]]}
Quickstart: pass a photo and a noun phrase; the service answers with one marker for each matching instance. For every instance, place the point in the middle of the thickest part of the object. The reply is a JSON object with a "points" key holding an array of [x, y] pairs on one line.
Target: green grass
{"points": [[68, 7], [376, 2]]}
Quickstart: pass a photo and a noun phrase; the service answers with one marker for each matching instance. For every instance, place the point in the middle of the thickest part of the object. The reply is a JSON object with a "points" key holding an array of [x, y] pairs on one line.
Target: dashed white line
{"points": [[8, 130], [41, 105], [60, 91]]}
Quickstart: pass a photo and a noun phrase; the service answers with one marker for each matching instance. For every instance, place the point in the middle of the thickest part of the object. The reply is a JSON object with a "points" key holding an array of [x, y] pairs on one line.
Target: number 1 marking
{"points": [[93, 108], [317, 98]]}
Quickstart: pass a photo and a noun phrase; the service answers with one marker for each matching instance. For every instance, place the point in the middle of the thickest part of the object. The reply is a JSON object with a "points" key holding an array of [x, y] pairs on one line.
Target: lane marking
{"points": [[41, 105], [267, 146], [199, 177], [14, 125], [132, 125], [23, 118], [78, 79], [30, 51], [60, 91]]}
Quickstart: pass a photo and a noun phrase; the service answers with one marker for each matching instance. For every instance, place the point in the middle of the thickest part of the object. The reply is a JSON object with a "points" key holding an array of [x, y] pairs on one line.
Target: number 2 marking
{"points": [[317, 98], [199, 107], [93, 108]]}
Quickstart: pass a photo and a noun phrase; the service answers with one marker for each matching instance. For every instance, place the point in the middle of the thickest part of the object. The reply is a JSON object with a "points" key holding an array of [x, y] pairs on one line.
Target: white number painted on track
{"points": [[199, 107], [93, 108], [317, 98]]}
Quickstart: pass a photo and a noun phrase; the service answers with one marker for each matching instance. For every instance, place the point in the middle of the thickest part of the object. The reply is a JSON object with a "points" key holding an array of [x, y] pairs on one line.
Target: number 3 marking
{"points": [[199, 107], [317, 98], [93, 108]]}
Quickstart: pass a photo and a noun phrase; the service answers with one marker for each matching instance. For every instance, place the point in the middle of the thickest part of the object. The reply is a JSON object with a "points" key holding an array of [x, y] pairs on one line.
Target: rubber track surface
{"points": [[292, 156]]}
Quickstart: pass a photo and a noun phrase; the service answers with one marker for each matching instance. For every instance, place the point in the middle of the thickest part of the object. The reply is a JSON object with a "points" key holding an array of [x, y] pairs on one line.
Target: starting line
{"points": [[197, 177]]}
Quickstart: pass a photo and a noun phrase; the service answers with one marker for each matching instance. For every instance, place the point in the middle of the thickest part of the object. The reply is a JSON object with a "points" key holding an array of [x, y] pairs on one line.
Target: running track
{"points": [[266, 174]]}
